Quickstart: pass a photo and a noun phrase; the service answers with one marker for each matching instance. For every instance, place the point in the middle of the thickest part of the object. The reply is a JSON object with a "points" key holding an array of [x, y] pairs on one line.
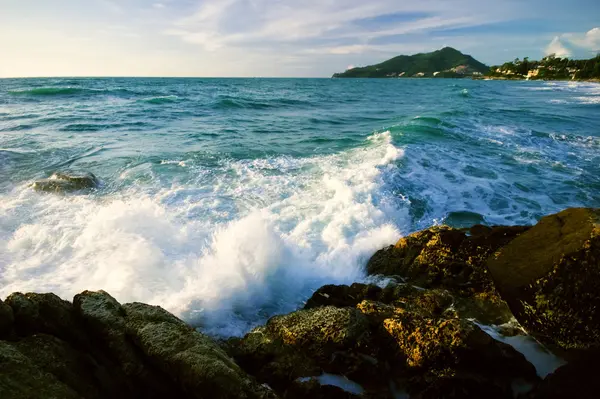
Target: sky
{"points": [[278, 38]]}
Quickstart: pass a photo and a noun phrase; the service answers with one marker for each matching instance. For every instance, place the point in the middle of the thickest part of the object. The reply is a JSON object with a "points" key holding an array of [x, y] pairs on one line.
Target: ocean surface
{"points": [[227, 201]]}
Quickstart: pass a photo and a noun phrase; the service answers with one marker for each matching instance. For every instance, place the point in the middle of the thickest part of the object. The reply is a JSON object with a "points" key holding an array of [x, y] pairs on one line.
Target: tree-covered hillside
{"points": [[448, 62], [549, 68]]}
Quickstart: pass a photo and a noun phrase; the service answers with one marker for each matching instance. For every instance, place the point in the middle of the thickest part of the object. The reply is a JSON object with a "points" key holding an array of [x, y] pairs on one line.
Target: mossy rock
{"points": [[424, 348], [300, 344], [432, 302], [444, 257], [21, 378], [550, 277], [61, 182]]}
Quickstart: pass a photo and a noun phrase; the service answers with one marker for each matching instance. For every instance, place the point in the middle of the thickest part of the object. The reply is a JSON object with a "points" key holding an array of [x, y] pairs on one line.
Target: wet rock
{"points": [[64, 183], [443, 257], [97, 348], [74, 368], [463, 388], [194, 361], [21, 378], [550, 276], [300, 344], [45, 313], [313, 389], [343, 296], [578, 379]]}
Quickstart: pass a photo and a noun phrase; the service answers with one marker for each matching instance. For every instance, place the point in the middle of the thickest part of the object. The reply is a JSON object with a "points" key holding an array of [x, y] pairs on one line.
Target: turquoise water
{"points": [[229, 200]]}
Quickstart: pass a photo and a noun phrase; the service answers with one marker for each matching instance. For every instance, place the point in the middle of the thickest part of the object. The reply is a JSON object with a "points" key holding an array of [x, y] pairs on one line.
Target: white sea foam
{"points": [[224, 253]]}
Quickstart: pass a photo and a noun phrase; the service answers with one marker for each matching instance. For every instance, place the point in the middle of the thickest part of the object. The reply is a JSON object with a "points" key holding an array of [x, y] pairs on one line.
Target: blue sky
{"points": [[278, 37]]}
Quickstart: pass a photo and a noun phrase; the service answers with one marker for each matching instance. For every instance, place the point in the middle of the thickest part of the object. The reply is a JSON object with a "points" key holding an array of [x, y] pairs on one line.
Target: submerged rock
{"points": [[550, 277], [63, 183]]}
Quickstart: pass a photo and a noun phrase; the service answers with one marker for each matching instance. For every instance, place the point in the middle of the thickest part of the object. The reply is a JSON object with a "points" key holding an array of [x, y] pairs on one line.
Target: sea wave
{"points": [[49, 91], [161, 100], [225, 256]]}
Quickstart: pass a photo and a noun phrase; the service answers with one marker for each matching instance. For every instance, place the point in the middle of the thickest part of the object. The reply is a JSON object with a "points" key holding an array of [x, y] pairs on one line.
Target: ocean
{"points": [[227, 201]]}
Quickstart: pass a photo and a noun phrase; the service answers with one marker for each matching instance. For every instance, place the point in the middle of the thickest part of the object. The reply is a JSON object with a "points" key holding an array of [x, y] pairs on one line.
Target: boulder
{"points": [[578, 379], [45, 313], [408, 296], [550, 277], [375, 336], [75, 368], [63, 182], [200, 368], [21, 378], [97, 348], [443, 257], [300, 344]]}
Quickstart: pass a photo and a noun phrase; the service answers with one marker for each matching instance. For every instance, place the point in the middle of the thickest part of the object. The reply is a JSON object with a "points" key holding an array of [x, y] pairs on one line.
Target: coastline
{"points": [[461, 314]]}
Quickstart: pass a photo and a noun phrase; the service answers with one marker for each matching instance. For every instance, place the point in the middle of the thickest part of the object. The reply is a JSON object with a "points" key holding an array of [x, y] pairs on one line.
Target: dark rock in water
{"points": [[550, 277], [578, 379], [314, 390], [96, 348], [415, 339], [63, 183], [299, 344], [443, 257]]}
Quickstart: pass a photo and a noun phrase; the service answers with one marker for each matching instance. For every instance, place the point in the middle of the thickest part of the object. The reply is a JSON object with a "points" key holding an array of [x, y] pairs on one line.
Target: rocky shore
{"points": [[446, 324]]}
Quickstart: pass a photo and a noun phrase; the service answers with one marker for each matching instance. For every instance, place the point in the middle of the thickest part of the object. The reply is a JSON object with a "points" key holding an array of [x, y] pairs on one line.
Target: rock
{"points": [[408, 335], [300, 344], [74, 368], [443, 257], [314, 390], [462, 388], [550, 276], [45, 313], [195, 362], [62, 182], [21, 378], [577, 379], [6, 319], [97, 348], [343, 296]]}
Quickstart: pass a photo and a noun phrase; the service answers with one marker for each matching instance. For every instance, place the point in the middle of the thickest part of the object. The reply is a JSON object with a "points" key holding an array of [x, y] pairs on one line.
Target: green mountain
{"points": [[447, 62]]}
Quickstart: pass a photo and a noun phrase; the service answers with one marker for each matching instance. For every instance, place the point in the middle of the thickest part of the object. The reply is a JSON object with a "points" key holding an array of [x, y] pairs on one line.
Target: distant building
{"points": [[401, 74], [532, 73], [419, 74], [436, 73], [461, 69], [477, 73]]}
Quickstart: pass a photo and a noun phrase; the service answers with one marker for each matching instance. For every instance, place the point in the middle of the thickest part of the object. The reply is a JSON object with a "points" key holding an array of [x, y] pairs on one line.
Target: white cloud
{"points": [[589, 41], [578, 45], [262, 37], [557, 48]]}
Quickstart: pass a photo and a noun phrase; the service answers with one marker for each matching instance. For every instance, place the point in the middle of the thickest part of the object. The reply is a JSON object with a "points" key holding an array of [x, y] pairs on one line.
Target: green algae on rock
{"points": [[64, 183], [550, 277]]}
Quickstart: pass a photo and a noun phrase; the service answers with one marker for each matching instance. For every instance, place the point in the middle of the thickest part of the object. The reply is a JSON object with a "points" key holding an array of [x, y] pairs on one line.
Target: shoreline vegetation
{"points": [[451, 63], [489, 312]]}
